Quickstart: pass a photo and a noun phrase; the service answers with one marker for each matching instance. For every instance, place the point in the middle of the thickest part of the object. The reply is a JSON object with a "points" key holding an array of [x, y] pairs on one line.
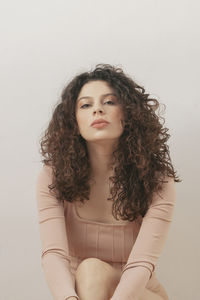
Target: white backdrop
{"points": [[44, 44]]}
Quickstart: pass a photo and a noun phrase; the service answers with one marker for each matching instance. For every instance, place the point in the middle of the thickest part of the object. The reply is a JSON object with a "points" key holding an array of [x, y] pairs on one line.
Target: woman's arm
{"points": [[55, 253], [148, 245]]}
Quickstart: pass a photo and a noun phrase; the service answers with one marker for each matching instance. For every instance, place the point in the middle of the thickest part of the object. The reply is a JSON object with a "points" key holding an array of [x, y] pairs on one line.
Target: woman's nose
{"points": [[98, 109]]}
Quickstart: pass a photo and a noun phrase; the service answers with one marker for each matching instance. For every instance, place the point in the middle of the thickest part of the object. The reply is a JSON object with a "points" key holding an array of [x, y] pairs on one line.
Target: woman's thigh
{"points": [[95, 273], [110, 277]]}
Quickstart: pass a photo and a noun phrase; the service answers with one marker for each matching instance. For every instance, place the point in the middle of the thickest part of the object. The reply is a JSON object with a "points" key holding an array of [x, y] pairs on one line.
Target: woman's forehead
{"points": [[95, 87]]}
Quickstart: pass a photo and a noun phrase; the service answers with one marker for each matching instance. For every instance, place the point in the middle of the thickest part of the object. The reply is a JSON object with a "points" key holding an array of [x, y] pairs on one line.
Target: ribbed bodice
{"points": [[109, 242]]}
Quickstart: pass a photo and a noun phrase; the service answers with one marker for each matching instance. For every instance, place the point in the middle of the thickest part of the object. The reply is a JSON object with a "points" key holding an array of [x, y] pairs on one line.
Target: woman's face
{"points": [[98, 100]]}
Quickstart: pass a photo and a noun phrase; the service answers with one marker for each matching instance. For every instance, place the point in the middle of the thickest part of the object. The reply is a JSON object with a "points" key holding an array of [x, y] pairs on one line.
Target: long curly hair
{"points": [[141, 160]]}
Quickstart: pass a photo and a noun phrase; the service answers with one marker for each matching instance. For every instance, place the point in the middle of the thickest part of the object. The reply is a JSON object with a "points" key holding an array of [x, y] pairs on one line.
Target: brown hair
{"points": [[141, 159]]}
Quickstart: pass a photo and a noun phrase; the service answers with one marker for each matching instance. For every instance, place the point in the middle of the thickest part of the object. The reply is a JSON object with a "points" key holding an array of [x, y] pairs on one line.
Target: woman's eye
{"points": [[84, 105], [109, 101]]}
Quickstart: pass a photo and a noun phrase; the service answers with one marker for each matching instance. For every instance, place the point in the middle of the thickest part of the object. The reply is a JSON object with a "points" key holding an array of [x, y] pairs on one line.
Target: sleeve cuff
{"points": [[72, 296], [142, 263]]}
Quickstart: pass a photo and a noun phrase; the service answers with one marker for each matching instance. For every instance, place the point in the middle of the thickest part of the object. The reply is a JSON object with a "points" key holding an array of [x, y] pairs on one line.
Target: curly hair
{"points": [[141, 159]]}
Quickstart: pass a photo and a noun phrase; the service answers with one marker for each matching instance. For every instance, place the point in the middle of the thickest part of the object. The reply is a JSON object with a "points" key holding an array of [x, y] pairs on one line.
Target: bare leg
{"points": [[96, 279]]}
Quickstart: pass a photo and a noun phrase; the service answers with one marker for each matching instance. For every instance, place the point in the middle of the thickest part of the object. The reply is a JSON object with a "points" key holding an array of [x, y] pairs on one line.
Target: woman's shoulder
{"points": [[167, 191], [46, 169], [44, 175]]}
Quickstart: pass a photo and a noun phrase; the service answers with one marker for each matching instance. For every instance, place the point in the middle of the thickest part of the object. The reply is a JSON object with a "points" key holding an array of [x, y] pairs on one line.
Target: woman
{"points": [[106, 192]]}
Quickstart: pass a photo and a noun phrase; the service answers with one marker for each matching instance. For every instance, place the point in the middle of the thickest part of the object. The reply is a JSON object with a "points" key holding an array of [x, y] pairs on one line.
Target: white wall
{"points": [[43, 45]]}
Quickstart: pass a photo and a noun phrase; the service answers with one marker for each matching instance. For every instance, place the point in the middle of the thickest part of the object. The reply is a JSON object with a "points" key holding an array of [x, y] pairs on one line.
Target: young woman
{"points": [[106, 191]]}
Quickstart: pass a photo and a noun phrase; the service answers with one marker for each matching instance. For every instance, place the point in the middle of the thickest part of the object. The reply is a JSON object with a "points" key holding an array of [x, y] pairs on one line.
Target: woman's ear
{"points": [[122, 123]]}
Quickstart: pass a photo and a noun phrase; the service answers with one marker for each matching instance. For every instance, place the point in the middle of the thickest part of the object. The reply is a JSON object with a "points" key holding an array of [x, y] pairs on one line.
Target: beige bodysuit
{"points": [[133, 247]]}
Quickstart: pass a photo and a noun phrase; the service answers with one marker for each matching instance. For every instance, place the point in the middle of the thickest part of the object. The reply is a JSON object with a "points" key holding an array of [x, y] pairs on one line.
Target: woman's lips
{"points": [[99, 125]]}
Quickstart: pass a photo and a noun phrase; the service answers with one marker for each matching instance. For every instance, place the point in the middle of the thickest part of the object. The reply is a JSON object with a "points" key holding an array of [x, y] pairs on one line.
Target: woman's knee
{"points": [[94, 269], [96, 275], [90, 267]]}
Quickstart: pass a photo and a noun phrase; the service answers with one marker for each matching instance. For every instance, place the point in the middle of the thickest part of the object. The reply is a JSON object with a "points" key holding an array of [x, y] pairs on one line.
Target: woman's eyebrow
{"points": [[102, 96]]}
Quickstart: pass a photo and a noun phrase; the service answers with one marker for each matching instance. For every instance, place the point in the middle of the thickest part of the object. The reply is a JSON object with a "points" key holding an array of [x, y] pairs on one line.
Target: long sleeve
{"points": [[54, 257], [148, 245]]}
